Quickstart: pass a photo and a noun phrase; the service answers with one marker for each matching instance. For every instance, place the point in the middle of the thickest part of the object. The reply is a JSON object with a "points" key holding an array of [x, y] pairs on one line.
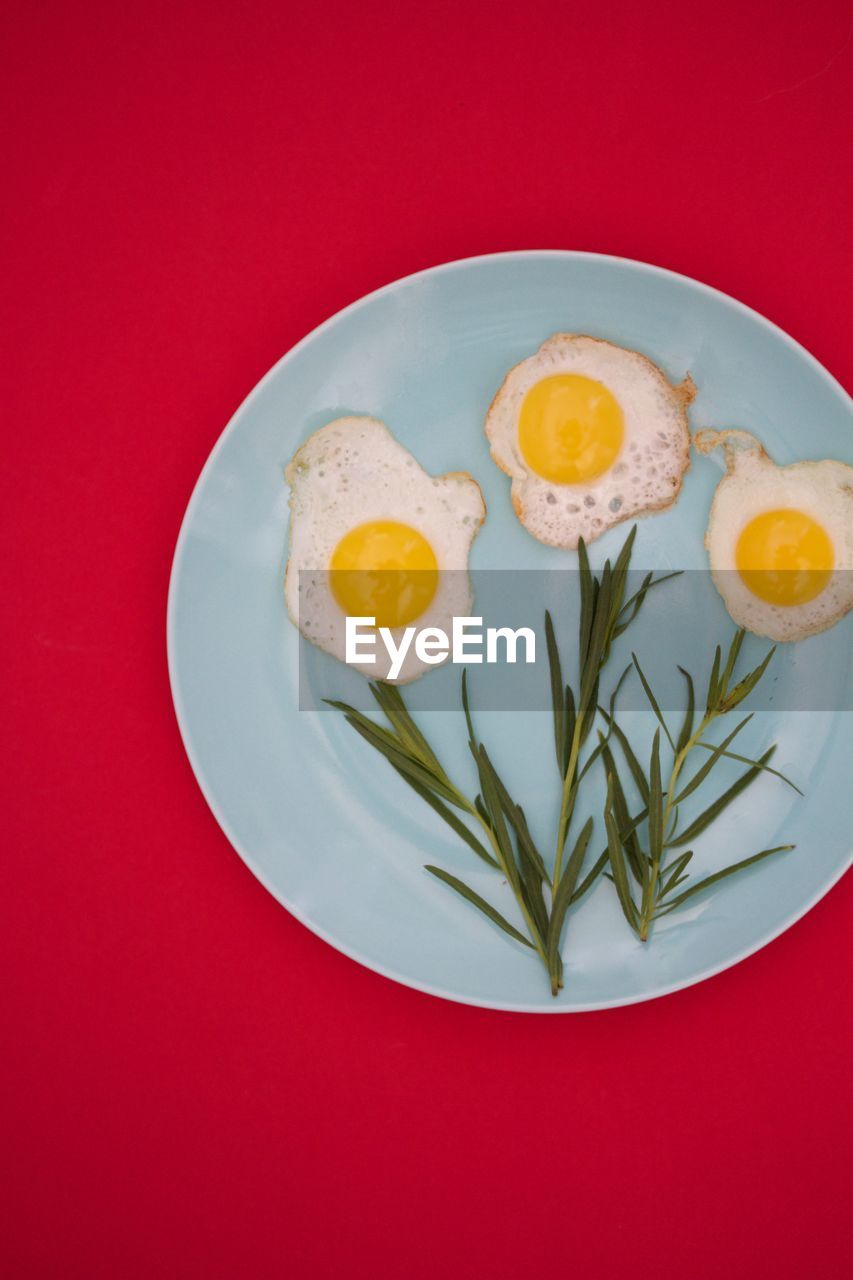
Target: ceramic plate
{"points": [[322, 822]]}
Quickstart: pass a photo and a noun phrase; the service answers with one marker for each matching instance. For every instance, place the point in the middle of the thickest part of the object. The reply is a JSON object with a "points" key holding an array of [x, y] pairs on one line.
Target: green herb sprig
{"points": [[647, 876], [605, 615], [507, 844], [648, 871], [503, 840]]}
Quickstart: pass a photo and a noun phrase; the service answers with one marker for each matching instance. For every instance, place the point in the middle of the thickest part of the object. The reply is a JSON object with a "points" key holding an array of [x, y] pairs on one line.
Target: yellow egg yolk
{"points": [[384, 570], [570, 428], [784, 556]]}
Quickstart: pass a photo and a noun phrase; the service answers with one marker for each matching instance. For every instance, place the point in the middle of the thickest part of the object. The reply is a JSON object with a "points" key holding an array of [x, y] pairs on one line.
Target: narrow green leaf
{"points": [[617, 861], [616, 688], [482, 810], [622, 561], [569, 729], [702, 772], [674, 873], [652, 700], [655, 803], [629, 610], [591, 877], [589, 762], [619, 581], [687, 726], [390, 701], [720, 875], [569, 878], [517, 820], [637, 771], [597, 642], [673, 884], [491, 800], [565, 889], [524, 879], [630, 842], [480, 903], [570, 803], [633, 824], [472, 738], [590, 711], [634, 604], [522, 831], [714, 682], [698, 825], [731, 659], [587, 592], [756, 764], [357, 718], [531, 890], [557, 695], [455, 823], [745, 687], [515, 816], [598, 632], [403, 762]]}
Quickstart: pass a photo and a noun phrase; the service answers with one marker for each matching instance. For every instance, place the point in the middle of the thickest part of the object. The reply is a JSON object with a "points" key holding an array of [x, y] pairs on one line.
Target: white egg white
{"points": [[647, 473], [754, 484], [353, 471]]}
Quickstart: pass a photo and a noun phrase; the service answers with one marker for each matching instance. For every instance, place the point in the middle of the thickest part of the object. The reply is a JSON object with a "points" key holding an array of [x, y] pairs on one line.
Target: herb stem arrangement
{"points": [[522, 867], [604, 615], [644, 878], [656, 878]]}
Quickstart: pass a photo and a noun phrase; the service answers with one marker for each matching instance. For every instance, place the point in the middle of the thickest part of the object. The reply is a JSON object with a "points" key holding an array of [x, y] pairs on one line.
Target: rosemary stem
{"points": [[650, 889], [566, 804], [532, 930]]}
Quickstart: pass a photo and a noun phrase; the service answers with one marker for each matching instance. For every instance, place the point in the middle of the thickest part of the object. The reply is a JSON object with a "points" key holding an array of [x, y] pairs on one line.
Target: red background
{"points": [[193, 1084]]}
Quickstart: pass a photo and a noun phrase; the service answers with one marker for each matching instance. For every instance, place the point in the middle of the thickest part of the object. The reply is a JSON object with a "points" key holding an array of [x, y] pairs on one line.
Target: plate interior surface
{"points": [[317, 816]]}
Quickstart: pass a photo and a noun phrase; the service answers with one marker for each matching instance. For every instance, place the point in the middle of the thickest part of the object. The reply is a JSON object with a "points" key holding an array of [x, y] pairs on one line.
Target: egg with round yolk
{"points": [[373, 535], [591, 434], [780, 539], [570, 428], [384, 569], [785, 556]]}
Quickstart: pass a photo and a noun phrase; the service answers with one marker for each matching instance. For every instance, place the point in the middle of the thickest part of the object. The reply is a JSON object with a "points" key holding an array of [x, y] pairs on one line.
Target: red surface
{"points": [[192, 1084]]}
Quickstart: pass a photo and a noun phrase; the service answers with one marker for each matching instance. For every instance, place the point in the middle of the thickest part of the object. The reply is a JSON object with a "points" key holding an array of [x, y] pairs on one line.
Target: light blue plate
{"points": [[321, 820]]}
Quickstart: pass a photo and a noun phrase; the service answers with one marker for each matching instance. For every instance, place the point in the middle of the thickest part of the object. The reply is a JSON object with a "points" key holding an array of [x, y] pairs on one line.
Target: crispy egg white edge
{"points": [[798, 484], [580, 353], [453, 596]]}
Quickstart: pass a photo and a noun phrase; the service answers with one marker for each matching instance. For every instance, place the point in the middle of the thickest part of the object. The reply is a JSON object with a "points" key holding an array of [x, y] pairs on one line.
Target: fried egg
{"points": [[373, 535], [780, 539], [590, 434]]}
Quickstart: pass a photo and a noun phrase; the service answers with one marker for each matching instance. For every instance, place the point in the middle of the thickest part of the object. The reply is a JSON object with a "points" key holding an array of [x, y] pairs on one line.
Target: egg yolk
{"points": [[784, 557], [384, 570], [570, 428]]}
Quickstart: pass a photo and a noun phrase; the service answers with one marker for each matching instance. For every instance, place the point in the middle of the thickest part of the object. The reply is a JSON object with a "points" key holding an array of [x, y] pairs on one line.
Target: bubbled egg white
{"points": [[352, 472], [647, 470], [753, 487]]}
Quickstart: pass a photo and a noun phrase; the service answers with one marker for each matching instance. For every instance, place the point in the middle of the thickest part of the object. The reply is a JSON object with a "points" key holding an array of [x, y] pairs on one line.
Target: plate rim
{"points": [[557, 1006]]}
